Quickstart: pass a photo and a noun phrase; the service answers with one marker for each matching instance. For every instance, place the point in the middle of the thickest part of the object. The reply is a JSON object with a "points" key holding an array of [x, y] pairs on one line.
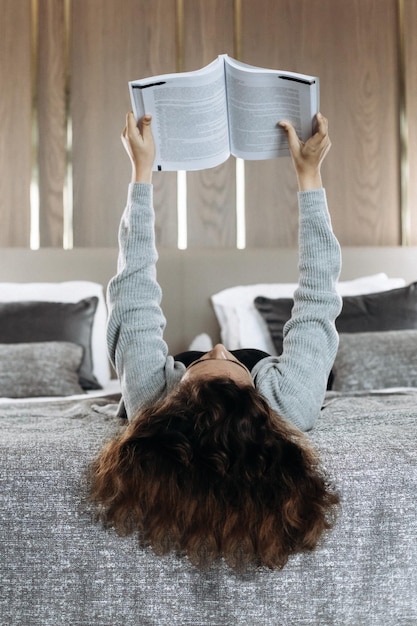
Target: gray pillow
{"points": [[26, 321], [40, 369], [376, 360]]}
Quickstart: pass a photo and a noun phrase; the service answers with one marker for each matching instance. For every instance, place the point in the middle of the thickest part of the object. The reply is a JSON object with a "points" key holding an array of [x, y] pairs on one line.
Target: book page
{"points": [[258, 99], [190, 123]]}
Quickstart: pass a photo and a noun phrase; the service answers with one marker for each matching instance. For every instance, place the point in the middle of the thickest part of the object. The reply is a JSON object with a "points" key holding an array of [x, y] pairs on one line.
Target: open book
{"points": [[200, 118]]}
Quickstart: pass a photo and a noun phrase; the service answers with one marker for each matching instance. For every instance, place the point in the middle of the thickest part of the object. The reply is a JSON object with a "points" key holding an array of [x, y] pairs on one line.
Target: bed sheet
{"points": [[110, 389], [58, 566]]}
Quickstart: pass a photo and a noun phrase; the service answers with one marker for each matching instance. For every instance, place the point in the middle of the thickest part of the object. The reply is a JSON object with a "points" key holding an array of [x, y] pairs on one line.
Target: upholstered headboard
{"points": [[188, 278]]}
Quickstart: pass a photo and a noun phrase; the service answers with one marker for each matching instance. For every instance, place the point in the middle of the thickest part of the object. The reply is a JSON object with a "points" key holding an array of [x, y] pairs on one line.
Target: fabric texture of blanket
{"points": [[57, 566]]}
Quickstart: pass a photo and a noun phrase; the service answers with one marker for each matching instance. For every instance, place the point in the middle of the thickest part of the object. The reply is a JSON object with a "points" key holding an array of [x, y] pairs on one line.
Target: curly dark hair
{"points": [[212, 471]]}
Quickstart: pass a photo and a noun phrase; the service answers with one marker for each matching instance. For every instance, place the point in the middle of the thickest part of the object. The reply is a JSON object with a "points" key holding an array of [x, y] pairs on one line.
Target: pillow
{"points": [[395, 309], [376, 360], [275, 312], [70, 291], [389, 310], [241, 325], [26, 322], [39, 369], [201, 343]]}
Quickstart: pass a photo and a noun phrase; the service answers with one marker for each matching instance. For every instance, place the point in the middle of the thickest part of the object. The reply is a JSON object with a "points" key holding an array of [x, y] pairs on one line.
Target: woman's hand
{"points": [[139, 145], [308, 156]]}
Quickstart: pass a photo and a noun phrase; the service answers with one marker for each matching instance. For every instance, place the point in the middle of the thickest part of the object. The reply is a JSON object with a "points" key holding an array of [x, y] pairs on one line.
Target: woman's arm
{"points": [[295, 382], [136, 322]]}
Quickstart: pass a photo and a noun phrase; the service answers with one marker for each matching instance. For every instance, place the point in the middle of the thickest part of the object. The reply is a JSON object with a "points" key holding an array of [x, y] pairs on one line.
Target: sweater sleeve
{"points": [[295, 383], [136, 323]]}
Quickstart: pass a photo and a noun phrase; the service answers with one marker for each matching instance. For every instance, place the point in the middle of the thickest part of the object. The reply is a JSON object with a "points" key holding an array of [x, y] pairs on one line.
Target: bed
{"points": [[57, 566]]}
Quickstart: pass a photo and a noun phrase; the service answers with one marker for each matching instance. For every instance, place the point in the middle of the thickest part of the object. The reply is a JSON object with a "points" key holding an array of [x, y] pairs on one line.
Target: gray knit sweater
{"points": [[294, 383]]}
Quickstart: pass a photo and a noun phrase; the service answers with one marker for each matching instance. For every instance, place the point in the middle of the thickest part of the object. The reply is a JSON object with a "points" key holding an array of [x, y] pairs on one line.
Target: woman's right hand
{"points": [[308, 156], [138, 141]]}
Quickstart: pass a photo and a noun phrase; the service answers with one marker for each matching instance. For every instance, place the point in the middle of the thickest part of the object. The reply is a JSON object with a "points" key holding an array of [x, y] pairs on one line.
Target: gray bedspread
{"points": [[58, 567]]}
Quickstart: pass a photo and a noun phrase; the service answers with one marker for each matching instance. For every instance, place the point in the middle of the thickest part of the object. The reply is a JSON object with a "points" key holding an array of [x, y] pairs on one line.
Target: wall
{"points": [[64, 68]]}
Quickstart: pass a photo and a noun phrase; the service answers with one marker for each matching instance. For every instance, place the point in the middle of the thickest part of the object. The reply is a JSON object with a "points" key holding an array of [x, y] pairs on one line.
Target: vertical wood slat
{"points": [[15, 114], [211, 197], [410, 8], [271, 218], [114, 42], [351, 46], [51, 120]]}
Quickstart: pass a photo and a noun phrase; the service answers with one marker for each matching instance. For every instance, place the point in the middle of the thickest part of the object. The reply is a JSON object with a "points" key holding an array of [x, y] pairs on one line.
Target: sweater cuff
{"points": [[140, 193], [312, 197]]}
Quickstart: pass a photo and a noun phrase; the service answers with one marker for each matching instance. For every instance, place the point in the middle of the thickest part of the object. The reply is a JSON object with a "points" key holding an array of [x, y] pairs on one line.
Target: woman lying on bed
{"points": [[213, 461]]}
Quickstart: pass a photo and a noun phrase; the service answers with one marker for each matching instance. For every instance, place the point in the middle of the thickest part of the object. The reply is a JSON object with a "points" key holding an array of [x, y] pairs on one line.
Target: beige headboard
{"points": [[188, 278]]}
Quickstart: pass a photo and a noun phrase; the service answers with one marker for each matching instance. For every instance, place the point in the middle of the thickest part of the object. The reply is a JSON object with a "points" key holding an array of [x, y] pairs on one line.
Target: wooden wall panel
{"points": [[410, 7], [211, 197], [114, 42], [51, 78], [15, 115], [351, 46]]}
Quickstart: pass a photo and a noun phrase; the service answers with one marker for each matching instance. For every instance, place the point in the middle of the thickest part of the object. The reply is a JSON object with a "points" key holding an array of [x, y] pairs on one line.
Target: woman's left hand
{"points": [[308, 156], [138, 141]]}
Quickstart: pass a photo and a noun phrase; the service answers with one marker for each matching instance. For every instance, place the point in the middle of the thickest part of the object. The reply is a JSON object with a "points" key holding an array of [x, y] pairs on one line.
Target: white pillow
{"points": [[241, 326], [69, 291], [202, 343]]}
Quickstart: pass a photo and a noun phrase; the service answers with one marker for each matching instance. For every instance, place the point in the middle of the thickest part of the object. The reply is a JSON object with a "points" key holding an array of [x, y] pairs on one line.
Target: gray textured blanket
{"points": [[58, 567]]}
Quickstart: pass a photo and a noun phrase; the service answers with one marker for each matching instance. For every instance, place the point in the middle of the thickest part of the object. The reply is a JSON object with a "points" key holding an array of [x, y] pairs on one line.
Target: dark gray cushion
{"points": [[29, 321], [395, 309], [376, 360], [40, 369]]}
